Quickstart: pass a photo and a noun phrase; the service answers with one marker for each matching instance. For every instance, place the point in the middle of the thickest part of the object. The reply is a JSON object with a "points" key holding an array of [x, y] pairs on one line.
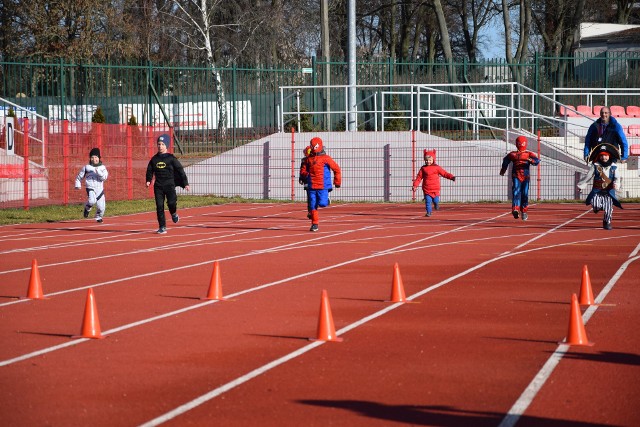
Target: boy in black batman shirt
{"points": [[169, 173]]}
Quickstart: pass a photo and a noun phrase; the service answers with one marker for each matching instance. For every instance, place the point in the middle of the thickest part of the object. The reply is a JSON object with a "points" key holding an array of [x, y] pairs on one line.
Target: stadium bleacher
{"points": [[584, 109], [568, 111], [618, 111], [633, 111]]}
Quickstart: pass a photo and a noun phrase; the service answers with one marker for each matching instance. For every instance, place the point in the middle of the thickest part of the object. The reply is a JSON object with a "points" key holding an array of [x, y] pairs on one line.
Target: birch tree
{"points": [[200, 16]]}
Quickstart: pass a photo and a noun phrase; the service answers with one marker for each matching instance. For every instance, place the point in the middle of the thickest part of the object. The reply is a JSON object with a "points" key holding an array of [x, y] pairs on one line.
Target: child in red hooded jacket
{"points": [[430, 175], [318, 178]]}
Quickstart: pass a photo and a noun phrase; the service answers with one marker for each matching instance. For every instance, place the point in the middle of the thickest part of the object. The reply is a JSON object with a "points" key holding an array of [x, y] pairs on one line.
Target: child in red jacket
{"points": [[318, 178], [430, 175]]}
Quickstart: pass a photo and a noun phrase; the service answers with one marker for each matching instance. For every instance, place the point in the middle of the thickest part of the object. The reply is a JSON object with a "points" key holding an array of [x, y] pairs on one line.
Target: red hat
{"points": [[521, 143], [430, 153], [316, 145]]}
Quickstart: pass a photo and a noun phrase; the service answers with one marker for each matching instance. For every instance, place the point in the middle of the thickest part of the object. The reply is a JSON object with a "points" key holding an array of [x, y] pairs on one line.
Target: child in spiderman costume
{"points": [[430, 175], [521, 159], [318, 178], [604, 176]]}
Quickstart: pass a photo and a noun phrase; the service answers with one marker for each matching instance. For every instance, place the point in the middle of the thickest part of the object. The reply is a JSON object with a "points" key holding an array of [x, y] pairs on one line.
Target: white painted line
{"points": [[527, 396]]}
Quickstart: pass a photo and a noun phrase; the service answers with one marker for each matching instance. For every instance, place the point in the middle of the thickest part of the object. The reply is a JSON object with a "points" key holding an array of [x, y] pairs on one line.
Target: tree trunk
{"points": [[444, 37]]}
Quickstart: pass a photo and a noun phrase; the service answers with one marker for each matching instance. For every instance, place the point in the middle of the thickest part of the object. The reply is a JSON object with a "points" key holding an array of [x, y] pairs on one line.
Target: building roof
{"points": [[631, 35]]}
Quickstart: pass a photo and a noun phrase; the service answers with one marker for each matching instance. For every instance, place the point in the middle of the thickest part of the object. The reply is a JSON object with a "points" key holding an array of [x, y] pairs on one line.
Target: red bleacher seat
{"points": [[584, 109], [596, 110], [633, 130], [633, 111], [617, 111], [567, 110]]}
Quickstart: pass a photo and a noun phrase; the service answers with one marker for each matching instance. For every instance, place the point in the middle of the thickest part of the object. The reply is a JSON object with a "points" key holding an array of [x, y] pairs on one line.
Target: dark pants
{"points": [[160, 192]]}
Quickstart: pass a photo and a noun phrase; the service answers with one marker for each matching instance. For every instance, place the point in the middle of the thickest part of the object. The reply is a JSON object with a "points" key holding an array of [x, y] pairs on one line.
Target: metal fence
{"points": [[376, 166], [186, 97]]}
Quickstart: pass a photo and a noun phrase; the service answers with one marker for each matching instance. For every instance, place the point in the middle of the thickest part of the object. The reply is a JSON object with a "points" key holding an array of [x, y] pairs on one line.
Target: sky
{"points": [[493, 43]]}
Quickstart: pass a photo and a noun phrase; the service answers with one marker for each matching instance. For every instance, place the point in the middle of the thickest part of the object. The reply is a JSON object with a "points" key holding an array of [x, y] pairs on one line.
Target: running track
{"points": [[477, 345]]}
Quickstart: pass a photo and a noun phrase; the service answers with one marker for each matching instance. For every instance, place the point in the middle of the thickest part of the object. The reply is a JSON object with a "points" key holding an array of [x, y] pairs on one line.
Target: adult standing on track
{"points": [[606, 130], [168, 172]]}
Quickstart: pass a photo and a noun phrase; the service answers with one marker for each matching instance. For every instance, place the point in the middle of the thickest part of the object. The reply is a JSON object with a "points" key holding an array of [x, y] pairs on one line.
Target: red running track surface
{"points": [[475, 345]]}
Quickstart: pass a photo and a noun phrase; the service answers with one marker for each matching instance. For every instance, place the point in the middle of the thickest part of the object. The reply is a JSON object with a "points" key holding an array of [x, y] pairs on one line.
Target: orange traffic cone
{"points": [[90, 321], [215, 287], [35, 286], [586, 294], [326, 328], [577, 335], [397, 288]]}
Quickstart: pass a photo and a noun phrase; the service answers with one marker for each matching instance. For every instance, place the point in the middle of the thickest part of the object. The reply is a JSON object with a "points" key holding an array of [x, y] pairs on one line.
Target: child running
{"points": [[430, 175], [521, 159], [94, 175], [604, 176], [318, 177]]}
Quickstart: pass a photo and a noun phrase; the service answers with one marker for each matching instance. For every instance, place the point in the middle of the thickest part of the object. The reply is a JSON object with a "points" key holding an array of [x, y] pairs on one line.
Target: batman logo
{"points": [[161, 165]]}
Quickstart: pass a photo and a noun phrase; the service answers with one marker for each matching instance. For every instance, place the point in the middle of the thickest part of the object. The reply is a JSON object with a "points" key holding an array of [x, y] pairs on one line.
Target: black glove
{"points": [[453, 179], [337, 186]]}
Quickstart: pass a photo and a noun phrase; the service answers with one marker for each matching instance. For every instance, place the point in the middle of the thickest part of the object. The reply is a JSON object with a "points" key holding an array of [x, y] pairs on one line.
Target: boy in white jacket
{"points": [[94, 174]]}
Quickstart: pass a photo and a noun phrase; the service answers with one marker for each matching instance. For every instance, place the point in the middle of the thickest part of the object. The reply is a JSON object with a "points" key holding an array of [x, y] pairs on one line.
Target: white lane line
{"points": [[550, 365], [263, 369], [171, 246], [256, 372], [402, 248], [442, 233], [551, 230], [121, 328], [277, 362], [527, 396]]}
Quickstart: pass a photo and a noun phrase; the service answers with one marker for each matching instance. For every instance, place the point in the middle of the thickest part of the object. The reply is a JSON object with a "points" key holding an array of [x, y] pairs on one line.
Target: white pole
{"points": [[352, 65]]}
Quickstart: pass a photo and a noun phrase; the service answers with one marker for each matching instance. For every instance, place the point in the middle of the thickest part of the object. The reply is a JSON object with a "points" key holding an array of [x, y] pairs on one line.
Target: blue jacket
{"points": [[613, 134]]}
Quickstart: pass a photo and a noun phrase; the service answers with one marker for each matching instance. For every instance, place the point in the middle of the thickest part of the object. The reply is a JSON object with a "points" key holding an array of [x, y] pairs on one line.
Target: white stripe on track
{"points": [[527, 396], [261, 370], [256, 372], [552, 230], [162, 316]]}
